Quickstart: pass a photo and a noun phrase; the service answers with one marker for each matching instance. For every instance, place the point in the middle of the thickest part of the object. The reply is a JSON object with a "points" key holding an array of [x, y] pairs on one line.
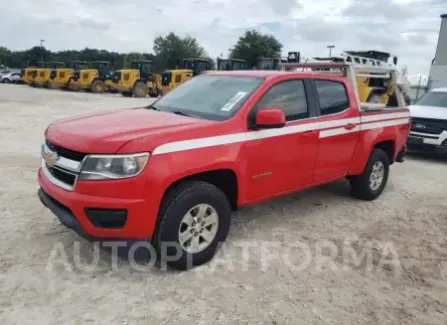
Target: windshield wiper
{"points": [[180, 113], [153, 108]]}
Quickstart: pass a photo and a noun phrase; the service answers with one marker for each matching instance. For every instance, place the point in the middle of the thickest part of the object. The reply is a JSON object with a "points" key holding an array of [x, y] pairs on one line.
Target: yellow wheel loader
{"points": [[42, 75], [97, 78], [60, 78], [29, 73], [139, 81], [171, 79], [231, 64]]}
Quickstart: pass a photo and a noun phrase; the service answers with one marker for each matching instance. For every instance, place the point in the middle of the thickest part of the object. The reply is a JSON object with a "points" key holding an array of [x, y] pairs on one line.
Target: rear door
{"points": [[283, 159], [339, 129]]}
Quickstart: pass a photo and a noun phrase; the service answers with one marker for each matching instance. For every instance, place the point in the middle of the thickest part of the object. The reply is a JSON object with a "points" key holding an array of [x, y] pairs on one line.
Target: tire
{"points": [[98, 87], [127, 94], [6, 81], [363, 186], [140, 90], [185, 200]]}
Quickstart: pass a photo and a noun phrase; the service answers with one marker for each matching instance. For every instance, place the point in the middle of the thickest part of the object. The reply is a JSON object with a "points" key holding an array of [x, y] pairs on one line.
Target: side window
{"points": [[178, 78], [332, 96], [290, 96]]}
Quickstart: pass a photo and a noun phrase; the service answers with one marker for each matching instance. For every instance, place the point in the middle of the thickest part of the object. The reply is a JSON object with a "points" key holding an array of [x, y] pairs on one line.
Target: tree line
{"points": [[168, 51]]}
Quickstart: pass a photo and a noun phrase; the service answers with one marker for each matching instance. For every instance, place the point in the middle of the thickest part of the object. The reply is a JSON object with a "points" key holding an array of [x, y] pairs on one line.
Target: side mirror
{"points": [[395, 60], [269, 118]]}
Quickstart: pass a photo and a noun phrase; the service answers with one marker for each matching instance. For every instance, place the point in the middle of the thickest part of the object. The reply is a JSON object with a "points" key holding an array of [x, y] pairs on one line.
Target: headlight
{"points": [[101, 167]]}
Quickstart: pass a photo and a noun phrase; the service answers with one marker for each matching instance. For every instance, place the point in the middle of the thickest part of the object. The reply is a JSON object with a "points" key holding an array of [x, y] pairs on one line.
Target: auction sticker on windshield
{"points": [[233, 101]]}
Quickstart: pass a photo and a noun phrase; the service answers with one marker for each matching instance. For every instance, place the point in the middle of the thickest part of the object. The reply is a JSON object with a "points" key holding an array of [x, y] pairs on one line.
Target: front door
{"points": [[282, 159]]}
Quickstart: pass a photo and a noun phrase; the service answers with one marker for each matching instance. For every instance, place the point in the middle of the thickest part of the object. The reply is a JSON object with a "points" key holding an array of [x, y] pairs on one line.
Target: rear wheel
{"points": [[371, 183], [6, 81], [194, 218], [140, 89], [98, 87]]}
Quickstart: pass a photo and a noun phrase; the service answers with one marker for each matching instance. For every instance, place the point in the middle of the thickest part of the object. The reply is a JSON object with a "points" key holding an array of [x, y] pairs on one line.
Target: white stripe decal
{"points": [[378, 117], [375, 125], [262, 134], [338, 131]]}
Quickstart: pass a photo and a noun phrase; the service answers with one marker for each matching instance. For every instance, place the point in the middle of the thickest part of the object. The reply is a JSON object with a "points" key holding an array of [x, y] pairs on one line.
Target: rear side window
{"points": [[332, 96], [290, 96]]}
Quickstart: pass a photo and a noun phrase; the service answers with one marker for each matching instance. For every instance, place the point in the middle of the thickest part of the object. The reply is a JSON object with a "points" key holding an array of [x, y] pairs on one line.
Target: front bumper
{"points": [[419, 144], [72, 207]]}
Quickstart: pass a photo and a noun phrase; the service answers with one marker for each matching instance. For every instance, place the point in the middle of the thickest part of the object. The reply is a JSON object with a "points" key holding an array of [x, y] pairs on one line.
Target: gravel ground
{"points": [[288, 261]]}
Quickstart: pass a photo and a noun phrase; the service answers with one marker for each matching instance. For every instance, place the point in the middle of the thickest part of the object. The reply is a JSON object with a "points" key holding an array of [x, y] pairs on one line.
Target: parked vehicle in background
{"points": [[97, 78], [429, 122], [61, 77], [172, 172], [10, 77], [42, 75], [29, 73]]}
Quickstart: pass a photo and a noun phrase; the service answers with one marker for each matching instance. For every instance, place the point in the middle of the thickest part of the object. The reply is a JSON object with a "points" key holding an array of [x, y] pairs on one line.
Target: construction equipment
{"points": [[171, 79], [28, 73], [231, 64], [97, 78], [42, 75], [376, 79], [139, 81], [60, 78], [269, 64]]}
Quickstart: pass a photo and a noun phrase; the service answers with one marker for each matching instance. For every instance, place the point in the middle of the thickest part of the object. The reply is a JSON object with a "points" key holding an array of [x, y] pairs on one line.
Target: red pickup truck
{"points": [[172, 172]]}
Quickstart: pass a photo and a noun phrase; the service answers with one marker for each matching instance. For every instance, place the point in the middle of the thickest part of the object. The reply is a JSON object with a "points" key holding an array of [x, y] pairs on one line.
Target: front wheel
{"points": [[6, 81], [98, 87], [371, 183], [140, 89], [193, 220]]}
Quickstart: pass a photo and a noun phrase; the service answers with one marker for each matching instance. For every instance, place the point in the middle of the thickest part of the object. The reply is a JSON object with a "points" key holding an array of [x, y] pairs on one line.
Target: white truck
{"points": [[429, 123]]}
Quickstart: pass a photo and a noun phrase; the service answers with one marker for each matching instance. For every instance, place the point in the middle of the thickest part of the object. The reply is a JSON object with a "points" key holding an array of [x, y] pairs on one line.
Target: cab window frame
{"points": [[310, 99]]}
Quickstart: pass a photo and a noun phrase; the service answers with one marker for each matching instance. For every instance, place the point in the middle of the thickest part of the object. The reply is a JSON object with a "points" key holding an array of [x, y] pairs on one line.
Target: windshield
{"points": [[433, 98], [239, 65], [268, 64], [225, 65], [209, 96], [100, 65], [196, 65]]}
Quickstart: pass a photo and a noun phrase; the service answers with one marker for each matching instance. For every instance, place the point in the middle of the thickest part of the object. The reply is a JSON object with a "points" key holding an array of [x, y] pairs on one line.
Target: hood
{"points": [[106, 132], [432, 112]]}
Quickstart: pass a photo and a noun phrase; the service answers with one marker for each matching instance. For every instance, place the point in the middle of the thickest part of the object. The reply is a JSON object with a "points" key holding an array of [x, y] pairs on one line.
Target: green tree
{"points": [[171, 49], [253, 45]]}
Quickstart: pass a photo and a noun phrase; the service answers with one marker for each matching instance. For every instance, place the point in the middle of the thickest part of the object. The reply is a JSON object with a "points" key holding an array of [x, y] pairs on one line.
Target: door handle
{"points": [[349, 126], [307, 133]]}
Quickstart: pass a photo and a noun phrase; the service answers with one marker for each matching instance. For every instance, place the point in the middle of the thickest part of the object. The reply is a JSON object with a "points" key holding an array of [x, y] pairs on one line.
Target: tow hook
{"points": [[401, 155]]}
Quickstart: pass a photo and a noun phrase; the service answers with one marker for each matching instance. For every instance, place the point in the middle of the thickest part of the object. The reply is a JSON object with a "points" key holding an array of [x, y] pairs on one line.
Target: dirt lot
{"points": [[290, 261]]}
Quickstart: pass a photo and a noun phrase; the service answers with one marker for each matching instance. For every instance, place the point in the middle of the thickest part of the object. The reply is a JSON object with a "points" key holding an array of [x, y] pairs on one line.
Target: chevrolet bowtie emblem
{"points": [[50, 157]]}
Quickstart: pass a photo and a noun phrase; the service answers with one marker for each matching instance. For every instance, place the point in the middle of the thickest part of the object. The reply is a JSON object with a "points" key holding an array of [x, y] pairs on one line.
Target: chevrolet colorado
{"points": [[172, 172]]}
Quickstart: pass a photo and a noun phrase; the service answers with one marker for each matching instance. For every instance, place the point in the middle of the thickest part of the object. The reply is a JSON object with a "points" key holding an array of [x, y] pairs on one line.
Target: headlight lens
{"points": [[100, 167]]}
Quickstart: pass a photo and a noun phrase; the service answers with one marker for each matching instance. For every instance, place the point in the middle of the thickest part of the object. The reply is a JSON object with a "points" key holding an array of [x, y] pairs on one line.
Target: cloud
{"points": [[407, 28]]}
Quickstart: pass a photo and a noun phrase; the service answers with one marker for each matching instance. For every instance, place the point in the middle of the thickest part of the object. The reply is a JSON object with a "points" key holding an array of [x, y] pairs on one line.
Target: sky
{"points": [[406, 28]]}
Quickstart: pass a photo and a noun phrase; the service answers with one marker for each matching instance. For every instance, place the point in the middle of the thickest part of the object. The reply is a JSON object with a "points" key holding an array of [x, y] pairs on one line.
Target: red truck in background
{"points": [[174, 171]]}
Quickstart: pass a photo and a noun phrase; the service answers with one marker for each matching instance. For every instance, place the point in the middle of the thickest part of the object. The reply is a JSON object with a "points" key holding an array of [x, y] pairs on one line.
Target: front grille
{"points": [[66, 153], [42, 74], [126, 77], [62, 75], [62, 175], [428, 126]]}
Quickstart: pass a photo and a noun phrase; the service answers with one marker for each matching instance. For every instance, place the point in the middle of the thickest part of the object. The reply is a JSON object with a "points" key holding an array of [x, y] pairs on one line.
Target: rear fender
{"points": [[367, 141]]}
